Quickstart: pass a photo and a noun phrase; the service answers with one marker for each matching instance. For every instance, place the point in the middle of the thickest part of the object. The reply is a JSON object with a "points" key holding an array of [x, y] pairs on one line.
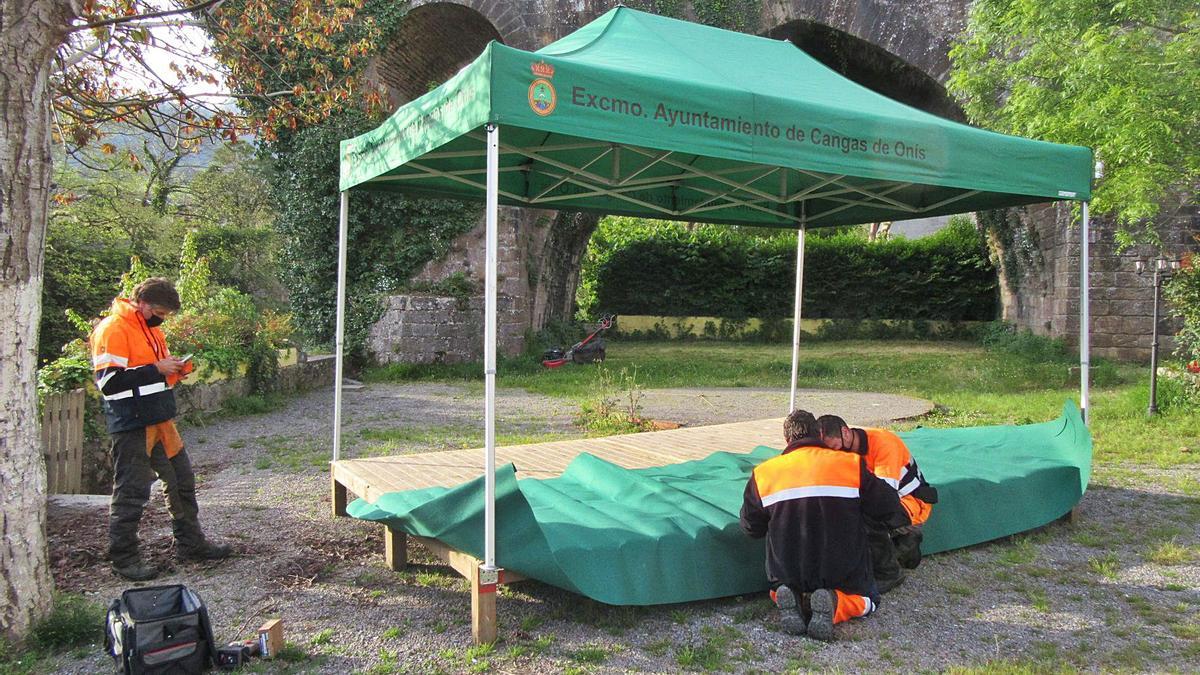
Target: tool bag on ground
{"points": [[160, 629]]}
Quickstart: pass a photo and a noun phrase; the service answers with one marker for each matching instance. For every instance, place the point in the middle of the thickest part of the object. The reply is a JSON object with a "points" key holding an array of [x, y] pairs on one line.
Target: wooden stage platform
{"points": [[374, 476]]}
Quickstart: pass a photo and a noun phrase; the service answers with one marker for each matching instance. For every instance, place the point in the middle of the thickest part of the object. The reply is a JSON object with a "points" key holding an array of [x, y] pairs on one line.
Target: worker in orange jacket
{"points": [[135, 373], [892, 549], [811, 503]]}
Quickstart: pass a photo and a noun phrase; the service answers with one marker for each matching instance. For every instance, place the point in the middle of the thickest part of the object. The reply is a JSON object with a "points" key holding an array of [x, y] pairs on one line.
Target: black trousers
{"points": [[133, 473], [883, 555], [892, 550]]}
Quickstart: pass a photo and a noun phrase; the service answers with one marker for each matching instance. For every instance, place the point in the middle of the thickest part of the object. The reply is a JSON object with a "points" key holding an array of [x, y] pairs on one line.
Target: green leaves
{"points": [[1122, 78], [658, 268], [390, 237]]}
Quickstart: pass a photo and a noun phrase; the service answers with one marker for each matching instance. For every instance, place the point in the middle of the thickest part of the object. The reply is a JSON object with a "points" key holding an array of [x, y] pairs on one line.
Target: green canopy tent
{"points": [[644, 115]]}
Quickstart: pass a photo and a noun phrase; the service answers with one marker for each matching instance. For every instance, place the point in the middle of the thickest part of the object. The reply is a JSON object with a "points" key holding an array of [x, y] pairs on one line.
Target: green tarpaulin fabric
{"points": [[645, 115], [670, 534]]}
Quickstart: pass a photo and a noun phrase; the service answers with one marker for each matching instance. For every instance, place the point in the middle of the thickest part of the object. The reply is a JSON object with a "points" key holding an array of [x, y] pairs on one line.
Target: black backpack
{"points": [[160, 629]]}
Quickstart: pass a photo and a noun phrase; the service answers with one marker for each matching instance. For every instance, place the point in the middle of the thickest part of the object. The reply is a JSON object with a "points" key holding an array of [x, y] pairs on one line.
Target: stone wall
{"points": [[435, 329], [1040, 279], [537, 272], [311, 372]]}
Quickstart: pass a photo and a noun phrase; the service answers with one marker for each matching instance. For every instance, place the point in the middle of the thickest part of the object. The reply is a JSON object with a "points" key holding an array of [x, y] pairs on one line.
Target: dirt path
{"points": [[1127, 571]]}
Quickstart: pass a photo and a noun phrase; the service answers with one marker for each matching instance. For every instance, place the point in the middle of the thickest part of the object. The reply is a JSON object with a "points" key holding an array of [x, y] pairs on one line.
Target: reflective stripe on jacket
{"points": [[809, 503], [889, 459], [124, 351]]}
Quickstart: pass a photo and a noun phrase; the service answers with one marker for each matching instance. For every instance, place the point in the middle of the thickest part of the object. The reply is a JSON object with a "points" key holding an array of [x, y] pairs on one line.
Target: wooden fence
{"points": [[62, 441]]}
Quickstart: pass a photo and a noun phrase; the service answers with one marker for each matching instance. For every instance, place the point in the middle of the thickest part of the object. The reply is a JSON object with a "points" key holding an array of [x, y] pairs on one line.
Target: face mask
{"points": [[154, 321]]}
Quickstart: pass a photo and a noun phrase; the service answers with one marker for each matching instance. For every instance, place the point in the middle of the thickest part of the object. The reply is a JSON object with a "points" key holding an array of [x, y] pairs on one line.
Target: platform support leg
{"points": [[338, 494], [483, 604], [395, 549]]}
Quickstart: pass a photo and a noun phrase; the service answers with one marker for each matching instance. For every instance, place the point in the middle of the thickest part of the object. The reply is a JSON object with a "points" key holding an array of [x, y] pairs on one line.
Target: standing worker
{"points": [[810, 503], [135, 373], [892, 549]]}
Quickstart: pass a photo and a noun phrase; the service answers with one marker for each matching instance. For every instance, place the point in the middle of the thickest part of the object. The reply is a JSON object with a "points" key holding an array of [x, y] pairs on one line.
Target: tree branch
{"points": [[206, 4]]}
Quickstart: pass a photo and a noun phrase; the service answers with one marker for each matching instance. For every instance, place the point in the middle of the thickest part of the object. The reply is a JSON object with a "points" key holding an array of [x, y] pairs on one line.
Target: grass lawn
{"points": [[1022, 382]]}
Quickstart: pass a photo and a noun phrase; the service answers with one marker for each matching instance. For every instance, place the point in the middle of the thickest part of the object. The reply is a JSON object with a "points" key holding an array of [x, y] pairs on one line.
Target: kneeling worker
{"points": [[890, 460], [810, 503]]}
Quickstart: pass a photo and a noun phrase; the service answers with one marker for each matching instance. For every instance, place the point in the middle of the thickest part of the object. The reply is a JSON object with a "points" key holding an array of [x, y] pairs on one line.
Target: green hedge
{"points": [[640, 267]]}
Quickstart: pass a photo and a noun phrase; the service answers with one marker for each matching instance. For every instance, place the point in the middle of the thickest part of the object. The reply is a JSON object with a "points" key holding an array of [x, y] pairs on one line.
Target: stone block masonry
{"points": [[1045, 299], [440, 329]]}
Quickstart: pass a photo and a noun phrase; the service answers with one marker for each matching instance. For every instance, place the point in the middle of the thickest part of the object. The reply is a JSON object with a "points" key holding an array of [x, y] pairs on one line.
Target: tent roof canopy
{"points": [[643, 115]]}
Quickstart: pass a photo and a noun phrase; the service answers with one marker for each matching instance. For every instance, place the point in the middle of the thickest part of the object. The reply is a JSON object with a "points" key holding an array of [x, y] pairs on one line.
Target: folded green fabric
{"points": [[670, 534]]}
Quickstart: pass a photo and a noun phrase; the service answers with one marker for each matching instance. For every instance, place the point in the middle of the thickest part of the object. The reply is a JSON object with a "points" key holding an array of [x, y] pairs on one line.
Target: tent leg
{"points": [[796, 318], [343, 226], [1085, 327], [483, 605], [489, 347]]}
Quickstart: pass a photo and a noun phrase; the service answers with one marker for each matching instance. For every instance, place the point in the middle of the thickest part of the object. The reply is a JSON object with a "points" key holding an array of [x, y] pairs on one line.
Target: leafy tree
{"points": [[1120, 76], [230, 215], [86, 60]]}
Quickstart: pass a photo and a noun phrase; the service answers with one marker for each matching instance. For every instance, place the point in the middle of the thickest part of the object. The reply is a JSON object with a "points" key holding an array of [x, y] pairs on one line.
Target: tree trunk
{"points": [[30, 32], [559, 266]]}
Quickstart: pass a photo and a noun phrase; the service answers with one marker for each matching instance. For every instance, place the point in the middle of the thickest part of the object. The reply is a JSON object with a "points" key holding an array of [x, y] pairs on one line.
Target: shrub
{"points": [[390, 236], [73, 621], [1007, 338], [1183, 292], [668, 269]]}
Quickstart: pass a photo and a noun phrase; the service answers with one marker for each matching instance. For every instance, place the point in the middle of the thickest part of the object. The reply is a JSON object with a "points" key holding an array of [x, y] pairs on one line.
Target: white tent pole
{"points": [[339, 335], [1085, 327], [489, 346], [799, 293]]}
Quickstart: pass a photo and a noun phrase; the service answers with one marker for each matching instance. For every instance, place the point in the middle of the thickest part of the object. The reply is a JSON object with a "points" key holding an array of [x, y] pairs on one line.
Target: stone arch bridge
{"points": [[896, 47]]}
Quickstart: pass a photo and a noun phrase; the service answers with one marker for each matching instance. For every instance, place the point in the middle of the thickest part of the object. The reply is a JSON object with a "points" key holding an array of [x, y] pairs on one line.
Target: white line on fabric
{"points": [[106, 358], [811, 491], [142, 391]]}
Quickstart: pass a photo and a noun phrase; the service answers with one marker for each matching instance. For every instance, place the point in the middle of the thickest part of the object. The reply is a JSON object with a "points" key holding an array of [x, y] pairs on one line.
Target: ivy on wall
{"points": [[390, 237]]}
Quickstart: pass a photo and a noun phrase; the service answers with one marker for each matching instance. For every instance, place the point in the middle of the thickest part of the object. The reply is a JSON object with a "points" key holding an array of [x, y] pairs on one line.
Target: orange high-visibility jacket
{"points": [[810, 503], [889, 458], [124, 351]]}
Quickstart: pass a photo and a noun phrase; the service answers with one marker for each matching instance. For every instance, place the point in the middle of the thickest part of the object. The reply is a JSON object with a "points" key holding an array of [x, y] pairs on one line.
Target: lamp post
{"points": [[1163, 269]]}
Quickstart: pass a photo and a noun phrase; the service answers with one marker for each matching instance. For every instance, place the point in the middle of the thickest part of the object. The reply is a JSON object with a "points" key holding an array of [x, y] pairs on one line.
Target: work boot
{"points": [[791, 619], [205, 551], [824, 605], [135, 571]]}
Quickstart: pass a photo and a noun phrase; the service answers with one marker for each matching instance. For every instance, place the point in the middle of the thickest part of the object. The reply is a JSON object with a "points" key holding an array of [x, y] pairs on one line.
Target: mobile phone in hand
{"points": [[186, 358]]}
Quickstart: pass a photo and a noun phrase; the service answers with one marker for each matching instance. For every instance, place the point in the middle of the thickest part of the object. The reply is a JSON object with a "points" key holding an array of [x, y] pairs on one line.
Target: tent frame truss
{"points": [[740, 182]]}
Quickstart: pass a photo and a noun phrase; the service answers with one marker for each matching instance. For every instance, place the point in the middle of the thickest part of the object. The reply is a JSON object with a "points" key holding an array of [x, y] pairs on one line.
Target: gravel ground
{"points": [[1117, 590]]}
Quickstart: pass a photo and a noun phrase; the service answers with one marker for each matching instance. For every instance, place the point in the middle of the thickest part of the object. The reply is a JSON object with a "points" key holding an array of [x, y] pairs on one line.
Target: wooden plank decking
{"points": [[374, 476]]}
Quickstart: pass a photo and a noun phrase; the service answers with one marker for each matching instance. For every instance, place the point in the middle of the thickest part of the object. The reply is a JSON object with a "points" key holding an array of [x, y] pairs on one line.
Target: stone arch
{"points": [[870, 65], [919, 35], [431, 43], [510, 18]]}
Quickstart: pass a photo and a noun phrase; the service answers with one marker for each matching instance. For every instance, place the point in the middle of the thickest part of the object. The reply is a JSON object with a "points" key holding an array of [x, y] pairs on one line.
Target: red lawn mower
{"points": [[587, 350]]}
